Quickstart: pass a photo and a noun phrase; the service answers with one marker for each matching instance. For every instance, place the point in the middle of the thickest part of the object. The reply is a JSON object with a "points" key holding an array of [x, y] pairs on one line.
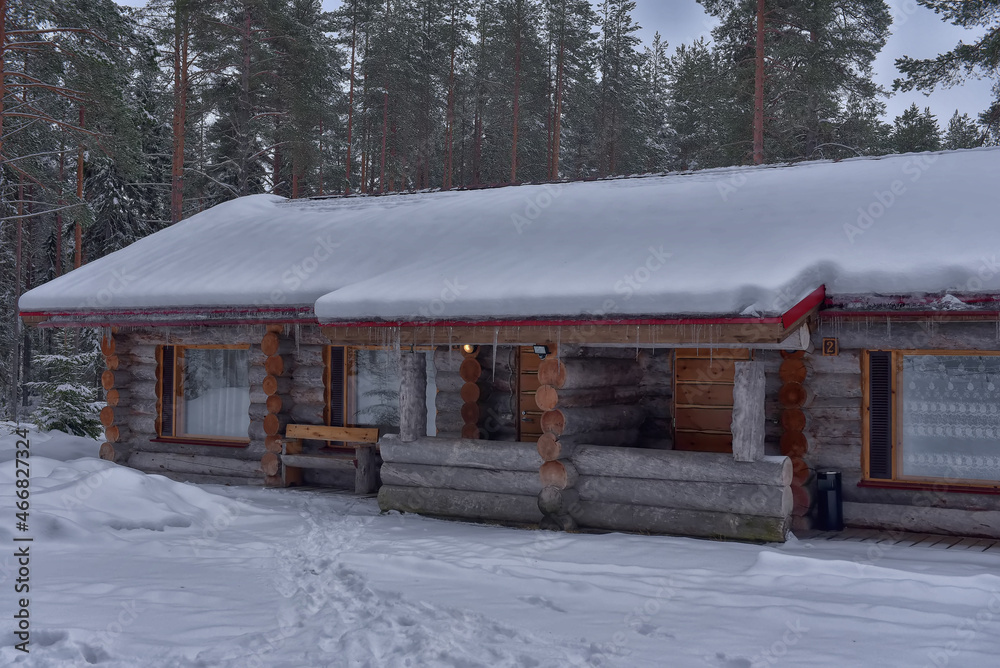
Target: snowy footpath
{"points": [[134, 570]]}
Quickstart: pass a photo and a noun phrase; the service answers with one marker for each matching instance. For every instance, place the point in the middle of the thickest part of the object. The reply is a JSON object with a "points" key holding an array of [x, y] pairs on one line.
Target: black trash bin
{"points": [[831, 501]]}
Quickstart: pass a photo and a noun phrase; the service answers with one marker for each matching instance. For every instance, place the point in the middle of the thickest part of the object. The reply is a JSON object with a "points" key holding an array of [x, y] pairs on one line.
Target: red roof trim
{"points": [[814, 300]]}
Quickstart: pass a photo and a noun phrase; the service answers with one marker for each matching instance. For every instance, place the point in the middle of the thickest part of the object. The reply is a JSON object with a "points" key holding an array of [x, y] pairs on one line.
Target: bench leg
{"points": [[291, 475], [366, 476]]}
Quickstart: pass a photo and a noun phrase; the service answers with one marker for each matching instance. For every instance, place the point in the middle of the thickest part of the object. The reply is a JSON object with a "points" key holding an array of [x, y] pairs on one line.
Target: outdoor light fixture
{"points": [[469, 349], [541, 351]]}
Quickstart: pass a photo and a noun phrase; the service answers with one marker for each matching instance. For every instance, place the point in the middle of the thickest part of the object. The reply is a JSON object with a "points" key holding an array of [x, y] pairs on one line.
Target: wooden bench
{"points": [[362, 457]]}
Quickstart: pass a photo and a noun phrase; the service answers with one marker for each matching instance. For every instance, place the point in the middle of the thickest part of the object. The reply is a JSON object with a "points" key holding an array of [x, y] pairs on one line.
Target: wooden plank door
{"points": [[703, 398], [529, 415]]}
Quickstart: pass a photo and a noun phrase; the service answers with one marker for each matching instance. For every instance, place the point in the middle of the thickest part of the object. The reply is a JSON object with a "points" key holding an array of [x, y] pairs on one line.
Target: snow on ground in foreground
{"points": [[134, 570]]}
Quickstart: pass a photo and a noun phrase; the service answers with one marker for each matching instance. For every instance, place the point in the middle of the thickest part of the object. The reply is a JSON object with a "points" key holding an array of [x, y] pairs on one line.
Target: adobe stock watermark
{"points": [[451, 290], [534, 207], [966, 631], [883, 200], [776, 651], [299, 272]]}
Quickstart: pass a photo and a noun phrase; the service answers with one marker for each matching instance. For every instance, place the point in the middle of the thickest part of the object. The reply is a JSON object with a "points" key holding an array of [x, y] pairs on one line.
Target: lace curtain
{"points": [[951, 416], [216, 399]]}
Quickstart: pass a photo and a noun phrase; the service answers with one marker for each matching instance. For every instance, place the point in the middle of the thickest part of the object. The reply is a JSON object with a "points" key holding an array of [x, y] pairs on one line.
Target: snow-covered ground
{"points": [[135, 570]]}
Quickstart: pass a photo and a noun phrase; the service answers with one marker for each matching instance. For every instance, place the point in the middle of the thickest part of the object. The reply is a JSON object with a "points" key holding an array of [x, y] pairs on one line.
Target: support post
{"points": [[413, 398], [748, 412]]}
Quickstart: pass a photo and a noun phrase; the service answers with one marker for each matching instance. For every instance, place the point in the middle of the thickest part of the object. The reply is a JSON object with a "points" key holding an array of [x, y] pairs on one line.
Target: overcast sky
{"points": [[917, 32]]}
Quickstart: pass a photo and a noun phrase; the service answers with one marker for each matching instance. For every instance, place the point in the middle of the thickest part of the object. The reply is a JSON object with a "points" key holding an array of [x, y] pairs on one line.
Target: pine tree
{"points": [[979, 59], [621, 111], [820, 54], [916, 131], [69, 396], [962, 132]]}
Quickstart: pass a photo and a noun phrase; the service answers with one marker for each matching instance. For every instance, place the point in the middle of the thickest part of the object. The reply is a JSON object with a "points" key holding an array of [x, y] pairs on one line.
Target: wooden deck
{"points": [[905, 539]]}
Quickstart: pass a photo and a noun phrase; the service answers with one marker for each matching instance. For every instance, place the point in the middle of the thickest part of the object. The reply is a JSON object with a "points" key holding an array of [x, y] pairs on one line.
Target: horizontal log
{"points": [[803, 500], [116, 396], [256, 431], [742, 499], [661, 408], [142, 372], [229, 481], [198, 335], [548, 397], [256, 356], [848, 361], [145, 389], [139, 353], [321, 462], [623, 438], [448, 402], [307, 335], [117, 433], [277, 365], [111, 379], [258, 395], [623, 517], [466, 479], [471, 393], [309, 375], [578, 373], [306, 394], [555, 501], [950, 521], [470, 413], [158, 462], [482, 506], [256, 375], [449, 422], [566, 350], [276, 404], [277, 385], [847, 431], [560, 474], [793, 371], [259, 411], [470, 370], [920, 498], [107, 416], [275, 424], [306, 356], [679, 465], [140, 424], [818, 414], [270, 464], [925, 335], [467, 453], [835, 385], [447, 381], [307, 414], [582, 420], [834, 456]]}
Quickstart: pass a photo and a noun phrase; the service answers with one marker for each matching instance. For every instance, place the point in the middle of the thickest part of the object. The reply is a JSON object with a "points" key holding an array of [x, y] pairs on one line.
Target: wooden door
{"points": [[703, 398], [529, 415]]}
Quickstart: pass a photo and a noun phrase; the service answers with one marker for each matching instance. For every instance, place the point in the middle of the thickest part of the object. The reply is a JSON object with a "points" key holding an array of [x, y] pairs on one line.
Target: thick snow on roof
{"points": [[719, 242]]}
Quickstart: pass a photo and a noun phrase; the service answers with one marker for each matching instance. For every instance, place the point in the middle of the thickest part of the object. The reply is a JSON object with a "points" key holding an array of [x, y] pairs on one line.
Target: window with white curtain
{"points": [[205, 393]]}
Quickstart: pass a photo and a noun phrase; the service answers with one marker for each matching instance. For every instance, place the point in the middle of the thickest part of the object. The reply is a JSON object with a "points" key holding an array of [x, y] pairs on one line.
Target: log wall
{"points": [[832, 408], [465, 478], [476, 394], [132, 386], [599, 487]]}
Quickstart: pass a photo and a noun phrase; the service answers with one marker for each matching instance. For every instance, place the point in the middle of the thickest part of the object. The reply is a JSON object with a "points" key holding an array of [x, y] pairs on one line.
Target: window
{"points": [[204, 393], [363, 388], [933, 416]]}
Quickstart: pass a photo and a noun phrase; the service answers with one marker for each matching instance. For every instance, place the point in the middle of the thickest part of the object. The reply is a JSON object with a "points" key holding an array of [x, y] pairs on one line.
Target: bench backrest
{"points": [[324, 433]]}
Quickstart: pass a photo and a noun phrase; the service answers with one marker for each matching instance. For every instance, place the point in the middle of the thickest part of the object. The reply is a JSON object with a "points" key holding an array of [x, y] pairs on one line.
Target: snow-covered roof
{"points": [[740, 241]]}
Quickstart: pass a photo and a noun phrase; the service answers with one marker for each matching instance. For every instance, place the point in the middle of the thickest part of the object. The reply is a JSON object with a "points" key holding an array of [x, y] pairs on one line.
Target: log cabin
{"points": [[678, 354]]}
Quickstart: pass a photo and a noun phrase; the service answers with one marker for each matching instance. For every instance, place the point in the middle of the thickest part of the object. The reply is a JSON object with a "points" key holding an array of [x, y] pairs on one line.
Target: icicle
{"points": [[298, 337], [496, 336]]}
